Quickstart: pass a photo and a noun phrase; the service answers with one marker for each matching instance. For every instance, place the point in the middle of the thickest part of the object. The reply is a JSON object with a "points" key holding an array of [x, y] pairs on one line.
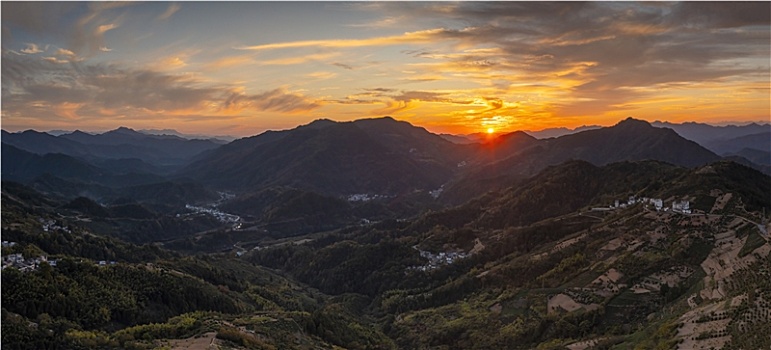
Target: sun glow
{"points": [[490, 130]]}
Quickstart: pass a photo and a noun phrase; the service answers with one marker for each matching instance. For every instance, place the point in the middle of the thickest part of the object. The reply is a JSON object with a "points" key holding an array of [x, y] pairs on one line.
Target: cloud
{"points": [[423, 36], [343, 65], [230, 61], [65, 52], [594, 56], [720, 14], [36, 17], [321, 75], [104, 90], [382, 23], [278, 100], [171, 10], [31, 49], [172, 62], [300, 59], [55, 60], [104, 28]]}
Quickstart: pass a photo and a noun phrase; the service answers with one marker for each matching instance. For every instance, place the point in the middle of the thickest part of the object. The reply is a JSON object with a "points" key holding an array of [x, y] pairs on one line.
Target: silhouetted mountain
{"points": [[706, 134], [504, 146], [164, 150], [371, 156], [557, 132], [66, 176], [760, 141], [459, 139], [754, 155], [221, 139], [629, 140], [42, 143], [22, 166], [404, 138], [155, 148]]}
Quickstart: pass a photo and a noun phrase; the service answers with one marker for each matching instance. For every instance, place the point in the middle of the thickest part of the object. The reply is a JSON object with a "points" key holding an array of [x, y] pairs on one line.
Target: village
{"points": [[364, 197], [225, 218], [682, 207], [438, 260], [18, 261]]}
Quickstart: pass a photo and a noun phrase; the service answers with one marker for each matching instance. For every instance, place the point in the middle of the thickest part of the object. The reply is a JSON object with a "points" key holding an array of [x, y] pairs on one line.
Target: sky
{"points": [[240, 68]]}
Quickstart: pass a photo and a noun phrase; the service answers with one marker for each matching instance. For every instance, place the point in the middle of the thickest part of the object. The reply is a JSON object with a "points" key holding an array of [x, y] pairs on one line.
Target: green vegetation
{"points": [[522, 269]]}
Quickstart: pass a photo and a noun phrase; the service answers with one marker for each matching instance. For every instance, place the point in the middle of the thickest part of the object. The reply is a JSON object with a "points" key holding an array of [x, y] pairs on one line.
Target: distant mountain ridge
{"points": [[759, 142], [164, 150], [713, 137], [561, 131]]}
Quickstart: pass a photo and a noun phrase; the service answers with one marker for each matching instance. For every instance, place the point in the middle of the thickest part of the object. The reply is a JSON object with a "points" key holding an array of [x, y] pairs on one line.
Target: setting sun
{"points": [[490, 130]]}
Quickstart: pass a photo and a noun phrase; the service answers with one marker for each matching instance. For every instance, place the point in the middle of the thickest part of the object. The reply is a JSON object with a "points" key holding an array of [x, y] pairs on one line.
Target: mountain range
{"points": [[165, 151], [380, 157], [376, 234]]}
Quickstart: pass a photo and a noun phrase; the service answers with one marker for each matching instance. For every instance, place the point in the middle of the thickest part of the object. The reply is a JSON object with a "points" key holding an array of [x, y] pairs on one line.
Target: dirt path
{"points": [[204, 342]]}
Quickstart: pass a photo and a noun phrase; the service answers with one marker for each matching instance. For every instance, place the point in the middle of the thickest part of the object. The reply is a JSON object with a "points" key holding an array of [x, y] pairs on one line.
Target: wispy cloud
{"points": [[381, 23], [343, 65], [279, 100], [55, 60], [230, 61], [31, 49], [300, 59], [321, 75], [171, 10], [423, 36]]}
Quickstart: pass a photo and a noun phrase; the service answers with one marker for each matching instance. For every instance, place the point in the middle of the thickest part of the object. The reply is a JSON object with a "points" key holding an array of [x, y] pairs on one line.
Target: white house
{"points": [[681, 207]]}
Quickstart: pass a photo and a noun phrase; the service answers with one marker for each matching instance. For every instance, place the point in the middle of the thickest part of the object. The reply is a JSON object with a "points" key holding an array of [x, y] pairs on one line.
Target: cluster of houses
{"points": [[18, 261], [50, 225], [220, 216], [363, 197], [438, 260], [683, 206]]}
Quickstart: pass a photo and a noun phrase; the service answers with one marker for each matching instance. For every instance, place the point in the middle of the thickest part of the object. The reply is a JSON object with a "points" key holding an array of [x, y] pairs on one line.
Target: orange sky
{"points": [[241, 68]]}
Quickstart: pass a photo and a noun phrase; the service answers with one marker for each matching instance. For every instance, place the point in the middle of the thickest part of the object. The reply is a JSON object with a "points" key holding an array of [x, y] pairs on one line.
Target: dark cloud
{"points": [[609, 45], [278, 100], [729, 14], [343, 65], [29, 80], [425, 96], [36, 16]]}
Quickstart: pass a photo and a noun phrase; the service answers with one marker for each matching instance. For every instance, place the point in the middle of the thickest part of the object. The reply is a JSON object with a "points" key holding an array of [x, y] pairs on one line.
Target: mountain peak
{"points": [[125, 130], [517, 133], [320, 123], [633, 123]]}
